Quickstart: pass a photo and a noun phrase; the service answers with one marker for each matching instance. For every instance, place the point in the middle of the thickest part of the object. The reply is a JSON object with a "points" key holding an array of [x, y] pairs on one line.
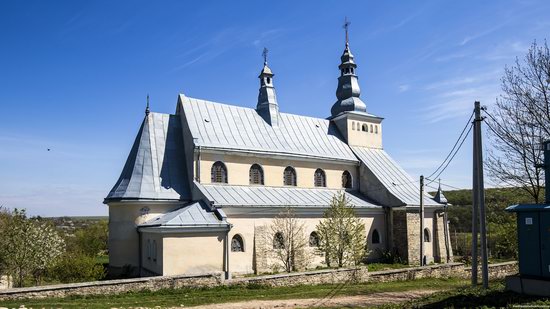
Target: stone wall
{"points": [[114, 286], [496, 271], [328, 276]]}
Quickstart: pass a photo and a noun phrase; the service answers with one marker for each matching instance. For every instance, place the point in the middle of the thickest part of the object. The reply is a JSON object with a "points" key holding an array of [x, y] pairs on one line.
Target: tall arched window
{"points": [[219, 172], [289, 176], [314, 239], [154, 250], [427, 235], [375, 238], [278, 241], [364, 128], [346, 180], [320, 179], [371, 129], [256, 175], [237, 244], [353, 125], [376, 129]]}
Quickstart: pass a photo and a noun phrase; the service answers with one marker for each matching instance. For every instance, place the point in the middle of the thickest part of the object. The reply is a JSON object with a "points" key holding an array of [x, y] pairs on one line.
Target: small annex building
{"points": [[200, 187]]}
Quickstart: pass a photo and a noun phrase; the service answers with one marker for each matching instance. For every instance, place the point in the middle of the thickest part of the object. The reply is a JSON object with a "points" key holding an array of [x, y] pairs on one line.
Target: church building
{"points": [[201, 186]]}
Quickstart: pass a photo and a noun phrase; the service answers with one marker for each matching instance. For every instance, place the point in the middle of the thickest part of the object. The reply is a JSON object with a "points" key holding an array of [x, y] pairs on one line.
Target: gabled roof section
{"points": [[392, 178], [155, 168], [263, 196], [231, 127], [196, 214]]}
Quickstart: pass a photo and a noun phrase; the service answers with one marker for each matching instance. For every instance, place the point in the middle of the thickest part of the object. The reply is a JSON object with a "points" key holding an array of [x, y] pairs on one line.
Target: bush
{"points": [[77, 267]]}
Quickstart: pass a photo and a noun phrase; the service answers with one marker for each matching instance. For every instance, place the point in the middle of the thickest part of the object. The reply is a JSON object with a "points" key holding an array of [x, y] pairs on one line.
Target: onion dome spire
{"points": [[267, 106], [439, 197], [348, 90]]}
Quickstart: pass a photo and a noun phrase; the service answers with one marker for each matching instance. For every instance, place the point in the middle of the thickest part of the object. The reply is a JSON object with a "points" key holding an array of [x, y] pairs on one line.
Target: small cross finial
{"points": [[147, 107], [264, 54], [346, 26]]}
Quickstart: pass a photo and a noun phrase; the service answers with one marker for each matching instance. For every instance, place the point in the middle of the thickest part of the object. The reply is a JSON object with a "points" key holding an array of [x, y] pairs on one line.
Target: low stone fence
{"points": [[114, 286], [326, 276]]}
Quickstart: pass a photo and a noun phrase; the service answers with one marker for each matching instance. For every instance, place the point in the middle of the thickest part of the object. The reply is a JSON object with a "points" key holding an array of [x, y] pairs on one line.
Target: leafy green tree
{"points": [[29, 247], [77, 267], [92, 239], [342, 234]]}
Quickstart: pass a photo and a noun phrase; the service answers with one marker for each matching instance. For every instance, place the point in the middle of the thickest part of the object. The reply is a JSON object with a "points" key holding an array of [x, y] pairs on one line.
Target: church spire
{"points": [[348, 90], [267, 100], [147, 106], [439, 197]]}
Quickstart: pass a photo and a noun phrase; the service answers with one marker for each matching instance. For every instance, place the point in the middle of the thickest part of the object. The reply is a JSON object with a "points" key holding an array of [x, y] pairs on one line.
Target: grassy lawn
{"points": [[383, 266], [468, 297], [190, 297]]}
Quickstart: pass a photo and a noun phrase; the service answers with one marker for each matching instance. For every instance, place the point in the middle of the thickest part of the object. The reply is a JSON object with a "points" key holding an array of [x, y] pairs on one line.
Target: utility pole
{"points": [[475, 206], [421, 212], [480, 197]]}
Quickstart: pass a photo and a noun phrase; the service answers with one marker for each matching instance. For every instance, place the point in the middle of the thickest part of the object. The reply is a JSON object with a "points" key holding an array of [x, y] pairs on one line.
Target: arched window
{"points": [[346, 180], [376, 129], [364, 128], [427, 235], [375, 238], [237, 244], [319, 178], [148, 249], [353, 125], [278, 241], [371, 129], [289, 176], [314, 239], [256, 175], [219, 172]]}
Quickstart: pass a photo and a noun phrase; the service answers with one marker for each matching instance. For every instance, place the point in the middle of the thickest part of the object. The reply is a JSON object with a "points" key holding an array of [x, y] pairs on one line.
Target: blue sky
{"points": [[75, 74]]}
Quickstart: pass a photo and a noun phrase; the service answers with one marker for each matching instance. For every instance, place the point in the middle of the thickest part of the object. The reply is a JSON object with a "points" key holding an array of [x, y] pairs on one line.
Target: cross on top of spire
{"points": [[147, 107], [264, 54], [346, 26]]}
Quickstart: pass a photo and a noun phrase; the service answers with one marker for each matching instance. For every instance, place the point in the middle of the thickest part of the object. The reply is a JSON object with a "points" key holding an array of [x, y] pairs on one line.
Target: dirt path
{"points": [[350, 301]]}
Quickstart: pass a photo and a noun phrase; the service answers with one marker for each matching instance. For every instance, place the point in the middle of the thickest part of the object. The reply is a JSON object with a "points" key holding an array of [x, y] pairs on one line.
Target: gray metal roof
{"points": [[228, 195], [155, 168], [392, 177], [193, 215], [232, 127]]}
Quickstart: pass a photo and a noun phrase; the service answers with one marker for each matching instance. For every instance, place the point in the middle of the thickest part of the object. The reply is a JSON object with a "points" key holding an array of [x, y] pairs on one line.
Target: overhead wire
{"points": [[454, 146]]}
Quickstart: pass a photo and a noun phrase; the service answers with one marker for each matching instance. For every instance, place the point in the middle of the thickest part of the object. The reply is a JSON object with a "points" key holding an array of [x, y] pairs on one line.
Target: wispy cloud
{"points": [[404, 87], [483, 33]]}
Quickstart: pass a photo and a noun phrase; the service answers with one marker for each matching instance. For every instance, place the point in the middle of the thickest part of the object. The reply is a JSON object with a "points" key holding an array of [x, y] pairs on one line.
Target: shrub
{"points": [[77, 267]]}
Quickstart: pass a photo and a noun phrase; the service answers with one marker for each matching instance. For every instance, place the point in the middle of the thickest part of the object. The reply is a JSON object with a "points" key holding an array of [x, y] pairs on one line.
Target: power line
{"points": [[454, 146], [452, 157]]}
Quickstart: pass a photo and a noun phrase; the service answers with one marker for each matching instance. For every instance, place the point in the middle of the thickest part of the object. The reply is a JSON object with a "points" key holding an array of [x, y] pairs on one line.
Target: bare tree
{"points": [[289, 241], [520, 122]]}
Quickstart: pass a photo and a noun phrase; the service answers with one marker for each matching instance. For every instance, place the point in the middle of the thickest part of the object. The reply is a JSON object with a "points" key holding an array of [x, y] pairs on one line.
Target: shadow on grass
{"points": [[473, 298]]}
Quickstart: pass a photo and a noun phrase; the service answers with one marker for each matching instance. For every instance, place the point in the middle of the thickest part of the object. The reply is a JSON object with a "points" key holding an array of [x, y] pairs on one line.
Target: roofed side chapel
{"points": [[200, 187]]}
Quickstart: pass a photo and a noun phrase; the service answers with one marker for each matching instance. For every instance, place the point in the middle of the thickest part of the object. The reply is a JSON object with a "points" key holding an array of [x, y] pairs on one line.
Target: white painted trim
{"points": [[271, 211]]}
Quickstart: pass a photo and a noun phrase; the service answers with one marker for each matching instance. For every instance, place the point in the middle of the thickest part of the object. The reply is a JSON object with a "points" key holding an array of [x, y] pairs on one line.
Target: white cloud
{"points": [[404, 87]]}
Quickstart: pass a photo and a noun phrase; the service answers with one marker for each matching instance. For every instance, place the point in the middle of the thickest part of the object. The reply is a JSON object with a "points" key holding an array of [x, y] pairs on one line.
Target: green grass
{"points": [[383, 266], [191, 297], [102, 259], [468, 297]]}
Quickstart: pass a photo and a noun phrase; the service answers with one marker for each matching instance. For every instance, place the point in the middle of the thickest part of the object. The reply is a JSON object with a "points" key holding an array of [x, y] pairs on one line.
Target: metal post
{"points": [[421, 213], [546, 150], [481, 196], [474, 209]]}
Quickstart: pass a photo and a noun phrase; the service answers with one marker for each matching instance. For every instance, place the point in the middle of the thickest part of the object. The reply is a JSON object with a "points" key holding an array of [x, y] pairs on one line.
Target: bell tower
{"points": [[349, 112], [267, 100]]}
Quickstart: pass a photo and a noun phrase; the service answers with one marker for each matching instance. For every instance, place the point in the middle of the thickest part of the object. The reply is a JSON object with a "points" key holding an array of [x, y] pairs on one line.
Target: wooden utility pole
{"points": [[479, 199], [421, 212]]}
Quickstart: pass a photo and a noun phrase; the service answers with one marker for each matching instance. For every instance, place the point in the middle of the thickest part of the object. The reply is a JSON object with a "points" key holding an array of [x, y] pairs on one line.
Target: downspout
{"points": [[446, 233], [199, 166], [139, 252], [226, 256]]}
